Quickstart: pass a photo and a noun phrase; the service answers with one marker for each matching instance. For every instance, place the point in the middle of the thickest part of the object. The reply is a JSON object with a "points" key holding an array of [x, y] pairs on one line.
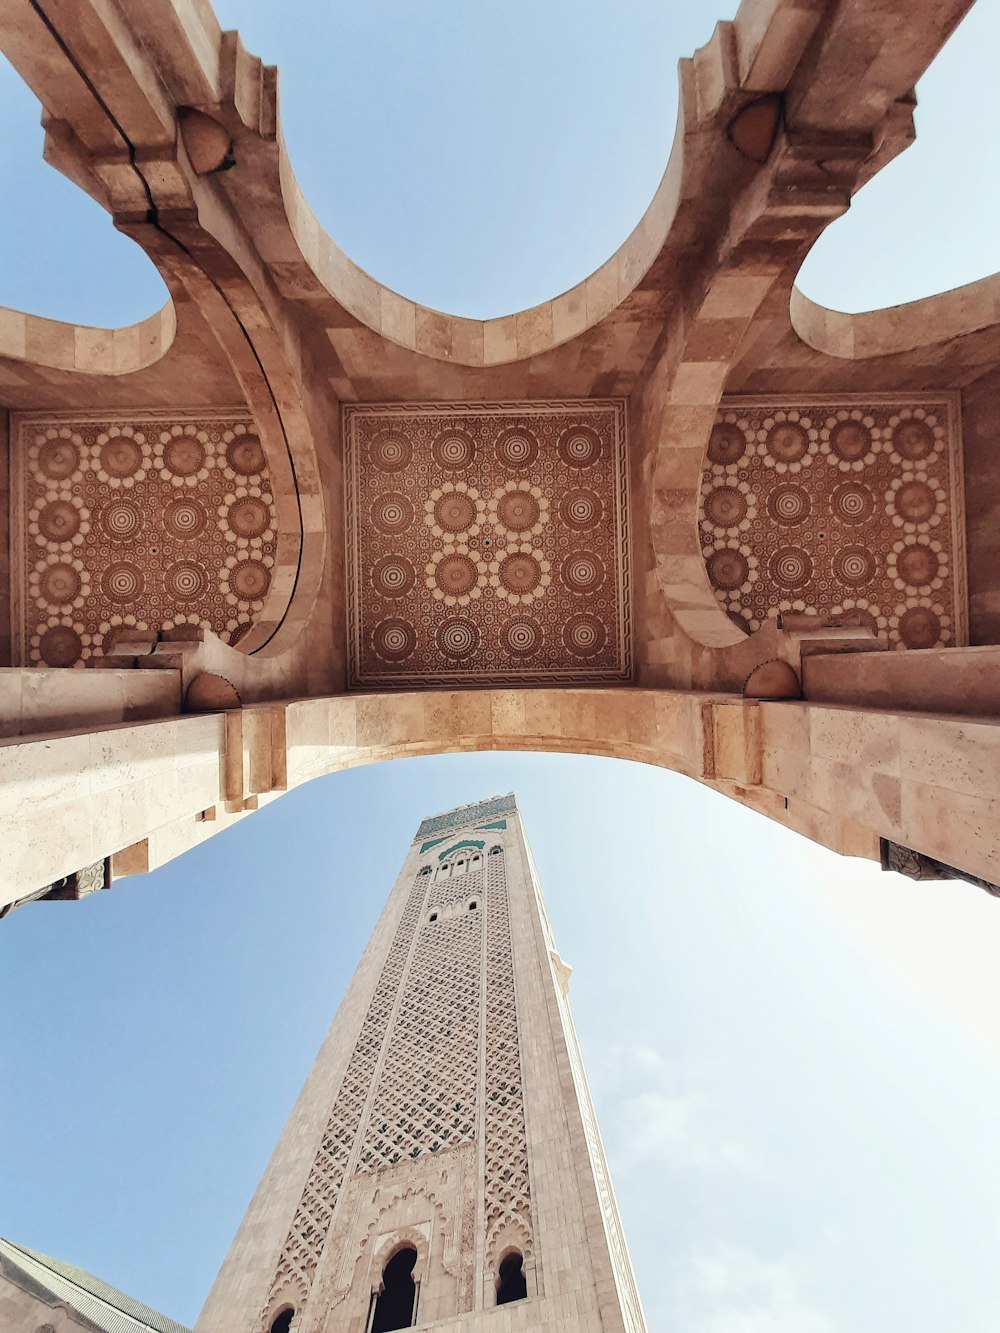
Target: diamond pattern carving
{"points": [[145, 521], [427, 1096], [508, 1193], [838, 507], [314, 1214], [487, 543]]}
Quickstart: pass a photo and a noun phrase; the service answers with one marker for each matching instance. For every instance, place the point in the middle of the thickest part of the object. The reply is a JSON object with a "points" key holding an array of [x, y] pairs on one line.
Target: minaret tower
{"points": [[442, 1166]]}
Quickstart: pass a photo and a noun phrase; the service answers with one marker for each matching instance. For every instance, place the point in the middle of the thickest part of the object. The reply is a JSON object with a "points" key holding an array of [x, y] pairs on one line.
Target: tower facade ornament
{"points": [[443, 1158]]}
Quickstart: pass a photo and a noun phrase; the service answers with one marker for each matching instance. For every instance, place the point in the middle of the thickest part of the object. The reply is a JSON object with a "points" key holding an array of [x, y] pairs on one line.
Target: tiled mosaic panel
{"points": [[835, 508], [487, 544], [144, 522]]}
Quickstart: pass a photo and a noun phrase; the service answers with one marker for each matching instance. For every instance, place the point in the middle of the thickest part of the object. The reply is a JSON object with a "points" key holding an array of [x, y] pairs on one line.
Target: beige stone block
{"points": [[864, 740], [962, 756], [500, 340], [460, 716], [507, 714], [398, 318], [959, 829]]}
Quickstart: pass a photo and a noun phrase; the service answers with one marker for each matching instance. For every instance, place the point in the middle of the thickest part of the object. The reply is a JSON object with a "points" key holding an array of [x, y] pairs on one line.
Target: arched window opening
{"points": [[459, 867], [444, 870], [395, 1306], [282, 1321], [495, 851], [473, 905], [434, 916], [425, 870], [511, 1282]]}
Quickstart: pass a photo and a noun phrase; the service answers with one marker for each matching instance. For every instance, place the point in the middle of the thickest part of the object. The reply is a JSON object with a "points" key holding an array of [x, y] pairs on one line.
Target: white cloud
{"points": [[730, 1289], [655, 1120]]}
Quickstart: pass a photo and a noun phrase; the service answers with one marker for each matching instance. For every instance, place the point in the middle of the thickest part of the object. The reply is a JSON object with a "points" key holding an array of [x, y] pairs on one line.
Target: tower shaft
{"points": [[442, 1164]]}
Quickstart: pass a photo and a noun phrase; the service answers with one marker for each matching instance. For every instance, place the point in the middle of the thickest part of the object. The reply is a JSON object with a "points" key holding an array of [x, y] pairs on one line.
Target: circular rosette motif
{"points": [[453, 450], [521, 636], [391, 513], [849, 439], [920, 564], [394, 639], [123, 583], [859, 609], [854, 566], [246, 582], [56, 454], [454, 510], [120, 457], [519, 510], [728, 568], [581, 509], [916, 504], [390, 451], [454, 576], [457, 638], [790, 568], [247, 517], [56, 524], [187, 618], [852, 503], [919, 623], [580, 447], [584, 635], [184, 455], [242, 454], [393, 576], [582, 573], [788, 504], [730, 507], [516, 448], [787, 441], [58, 641], [114, 628], [120, 520], [914, 437], [729, 444], [59, 583], [185, 581], [184, 519], [520, 575]]}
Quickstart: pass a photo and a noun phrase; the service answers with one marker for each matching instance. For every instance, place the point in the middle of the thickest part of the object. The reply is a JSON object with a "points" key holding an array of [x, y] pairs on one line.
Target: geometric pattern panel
{"points": [[426, 1099], [487, 543], [507, 1195], [838, 507], [142, 521], [313, 1218]]}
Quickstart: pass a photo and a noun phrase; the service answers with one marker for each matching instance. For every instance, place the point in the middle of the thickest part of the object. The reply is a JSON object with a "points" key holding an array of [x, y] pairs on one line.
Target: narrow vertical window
{"points": [[395, 1306], [511, 1283]]}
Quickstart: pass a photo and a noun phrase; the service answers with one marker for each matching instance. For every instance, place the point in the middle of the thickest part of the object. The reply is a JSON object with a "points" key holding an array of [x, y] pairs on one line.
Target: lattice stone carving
{"points": [[426, 1100], [142, 521], [508, 1191], [487, 543], [838, 507], [311, 1222]]}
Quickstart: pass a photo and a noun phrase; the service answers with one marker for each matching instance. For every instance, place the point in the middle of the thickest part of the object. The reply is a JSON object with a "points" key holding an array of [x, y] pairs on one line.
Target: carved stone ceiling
{"points": [[838, 506], [487, 543], [144, 521]]}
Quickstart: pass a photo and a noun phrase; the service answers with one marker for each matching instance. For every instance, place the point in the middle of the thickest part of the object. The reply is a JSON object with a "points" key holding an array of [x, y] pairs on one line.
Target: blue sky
{"points": [[795, 1058]]}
